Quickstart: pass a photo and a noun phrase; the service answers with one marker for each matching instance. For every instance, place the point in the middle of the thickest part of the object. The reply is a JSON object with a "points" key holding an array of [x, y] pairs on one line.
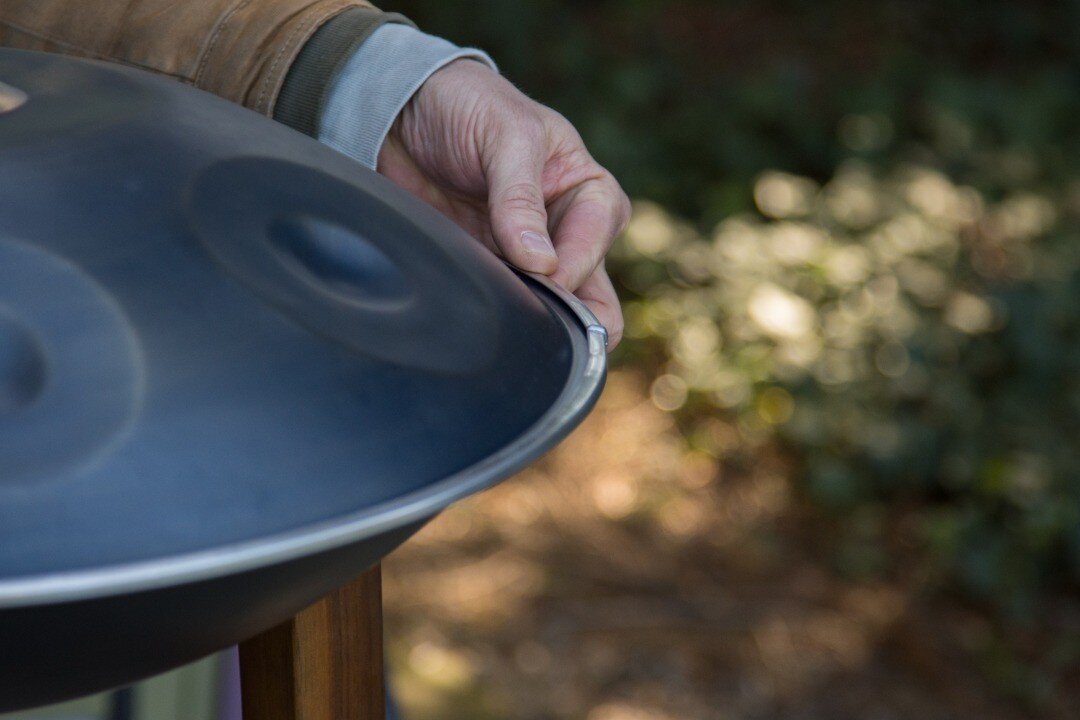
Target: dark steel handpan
{"points": [[236, 369]]}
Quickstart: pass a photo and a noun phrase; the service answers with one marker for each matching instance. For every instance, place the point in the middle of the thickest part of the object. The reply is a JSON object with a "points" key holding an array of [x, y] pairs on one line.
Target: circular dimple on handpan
{"points": [[349, 266], [22, 365], [345, 263], [70, 369]]}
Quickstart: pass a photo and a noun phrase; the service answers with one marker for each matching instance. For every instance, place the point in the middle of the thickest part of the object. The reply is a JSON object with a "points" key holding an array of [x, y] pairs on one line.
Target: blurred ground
{"points": [[623, 578]]}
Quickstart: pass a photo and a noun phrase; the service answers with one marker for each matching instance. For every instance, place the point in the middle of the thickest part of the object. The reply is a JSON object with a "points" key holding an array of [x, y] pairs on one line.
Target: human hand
{"points": [[515, 175]]}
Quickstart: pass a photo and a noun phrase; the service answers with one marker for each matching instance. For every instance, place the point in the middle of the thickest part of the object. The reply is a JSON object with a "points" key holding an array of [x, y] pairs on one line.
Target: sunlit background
{"points": [[835, 473]]}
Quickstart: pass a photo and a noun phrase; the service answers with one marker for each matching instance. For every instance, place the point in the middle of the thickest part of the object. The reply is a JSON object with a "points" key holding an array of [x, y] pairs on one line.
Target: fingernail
{"points": [[537, 244]]}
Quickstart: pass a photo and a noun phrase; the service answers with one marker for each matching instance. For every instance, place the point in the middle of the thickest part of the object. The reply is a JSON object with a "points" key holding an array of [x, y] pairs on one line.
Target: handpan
{"points": [[236, 370]]}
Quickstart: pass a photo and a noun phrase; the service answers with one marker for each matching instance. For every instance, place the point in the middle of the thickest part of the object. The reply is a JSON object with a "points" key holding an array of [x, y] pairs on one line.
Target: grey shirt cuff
{"points": [[373, 85]]}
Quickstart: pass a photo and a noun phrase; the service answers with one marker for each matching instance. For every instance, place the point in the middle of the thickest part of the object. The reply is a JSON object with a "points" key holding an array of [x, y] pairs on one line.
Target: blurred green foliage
{"points": [[857, 231]]}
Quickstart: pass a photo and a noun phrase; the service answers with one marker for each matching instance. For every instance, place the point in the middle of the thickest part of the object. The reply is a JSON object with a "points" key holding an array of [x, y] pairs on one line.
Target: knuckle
{"points": [[609, 195], [626, 210], [520, 197], [515, 129], [520, 193], [527, 123], [621, 206], [561, 126]]}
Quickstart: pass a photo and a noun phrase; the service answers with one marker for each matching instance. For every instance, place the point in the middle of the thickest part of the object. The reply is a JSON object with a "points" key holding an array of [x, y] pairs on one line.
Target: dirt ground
{"points": [[625, 578]]}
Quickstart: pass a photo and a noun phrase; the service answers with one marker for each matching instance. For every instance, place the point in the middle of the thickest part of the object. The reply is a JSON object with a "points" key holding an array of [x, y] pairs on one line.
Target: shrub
{"points": [[910, 338], [857, 231]]}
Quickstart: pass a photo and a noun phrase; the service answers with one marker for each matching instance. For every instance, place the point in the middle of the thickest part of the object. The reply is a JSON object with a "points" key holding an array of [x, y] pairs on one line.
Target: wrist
{"points": [[368, 93]]}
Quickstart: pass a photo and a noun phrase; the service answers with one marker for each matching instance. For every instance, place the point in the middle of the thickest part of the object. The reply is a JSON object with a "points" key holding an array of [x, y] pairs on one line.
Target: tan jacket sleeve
{"points": [[238, 49]]}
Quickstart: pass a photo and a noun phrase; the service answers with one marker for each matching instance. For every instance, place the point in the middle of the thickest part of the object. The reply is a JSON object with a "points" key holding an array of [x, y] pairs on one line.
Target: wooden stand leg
{"points": [[324, 664]]}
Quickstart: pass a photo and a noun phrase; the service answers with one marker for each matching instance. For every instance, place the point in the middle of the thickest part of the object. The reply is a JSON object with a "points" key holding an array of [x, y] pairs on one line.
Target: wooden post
{"points": [[324, 664]]}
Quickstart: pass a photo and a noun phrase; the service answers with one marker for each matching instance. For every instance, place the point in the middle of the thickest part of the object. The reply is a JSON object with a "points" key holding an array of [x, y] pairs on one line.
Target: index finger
{"points": [[584, 223]]}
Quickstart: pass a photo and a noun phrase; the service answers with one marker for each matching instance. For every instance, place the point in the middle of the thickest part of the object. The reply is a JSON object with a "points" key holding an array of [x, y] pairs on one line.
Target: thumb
{"points": [[517, 209]]}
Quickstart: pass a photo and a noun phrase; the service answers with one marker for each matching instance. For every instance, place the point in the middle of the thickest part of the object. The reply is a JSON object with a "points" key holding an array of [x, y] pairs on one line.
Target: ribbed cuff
{"points": [[365, 97], [304, 92]]}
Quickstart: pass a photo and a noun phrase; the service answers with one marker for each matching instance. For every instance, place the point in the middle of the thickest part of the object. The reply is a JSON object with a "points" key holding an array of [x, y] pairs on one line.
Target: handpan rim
{"points": [[584, 384]]}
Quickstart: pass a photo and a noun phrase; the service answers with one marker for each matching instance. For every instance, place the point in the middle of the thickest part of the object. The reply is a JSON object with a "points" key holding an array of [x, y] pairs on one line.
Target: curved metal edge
{"points": [[597, 334], [586, 381]]}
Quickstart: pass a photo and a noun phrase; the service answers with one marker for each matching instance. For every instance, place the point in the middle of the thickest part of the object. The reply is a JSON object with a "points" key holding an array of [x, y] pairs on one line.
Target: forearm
{"points": [[306, 88], [307, 63], [239, 49]]}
